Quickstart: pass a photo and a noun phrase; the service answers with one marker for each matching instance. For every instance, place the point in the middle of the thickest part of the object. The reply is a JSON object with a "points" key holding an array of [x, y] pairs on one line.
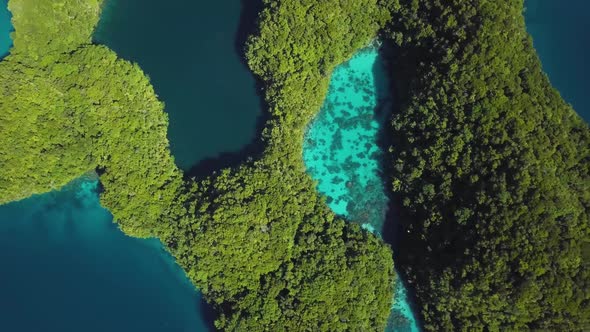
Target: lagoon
{"points": [[66, 266], [341, 152]]}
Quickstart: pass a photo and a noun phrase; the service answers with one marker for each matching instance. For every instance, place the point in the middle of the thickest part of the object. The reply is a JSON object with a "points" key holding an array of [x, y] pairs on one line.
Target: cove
{"points": [[192, 52], [341, 152], [560, 32]]}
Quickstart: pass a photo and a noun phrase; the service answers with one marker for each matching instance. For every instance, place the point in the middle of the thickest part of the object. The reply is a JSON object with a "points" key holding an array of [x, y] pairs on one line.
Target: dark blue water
{"points": [[192, 51], [66, 267], [561, 35]]}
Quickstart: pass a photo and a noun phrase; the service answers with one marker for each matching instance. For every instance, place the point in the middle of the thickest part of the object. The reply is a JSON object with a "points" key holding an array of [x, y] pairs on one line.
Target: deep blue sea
{"points": [[561, 36]]}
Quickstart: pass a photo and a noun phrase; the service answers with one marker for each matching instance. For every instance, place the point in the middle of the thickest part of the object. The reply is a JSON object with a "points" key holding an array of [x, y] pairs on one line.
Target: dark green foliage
{"points": [[257, 240], [493, 168]]}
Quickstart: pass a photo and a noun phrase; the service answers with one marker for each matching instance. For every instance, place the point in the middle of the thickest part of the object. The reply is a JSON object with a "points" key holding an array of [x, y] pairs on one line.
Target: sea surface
{"points": [[341, 151], [561, 36], [193, 53]]}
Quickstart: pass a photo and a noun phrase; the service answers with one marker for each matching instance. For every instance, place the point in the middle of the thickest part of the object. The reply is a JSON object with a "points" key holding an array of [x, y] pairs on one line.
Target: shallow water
{"points": [[193, 54], [67, 267], [561, 36], [341, 152]]}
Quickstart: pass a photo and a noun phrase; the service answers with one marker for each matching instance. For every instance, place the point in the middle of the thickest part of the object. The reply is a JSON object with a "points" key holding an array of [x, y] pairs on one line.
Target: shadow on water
{"points": [[207, 313], [247, 26], [391, 96], [387, 90]]}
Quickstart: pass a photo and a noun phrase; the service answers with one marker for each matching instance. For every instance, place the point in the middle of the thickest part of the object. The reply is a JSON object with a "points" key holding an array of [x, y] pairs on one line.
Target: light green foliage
{"points": [[74, 115], [43, 146], [43, 27], [257, 240], [493, 169]]}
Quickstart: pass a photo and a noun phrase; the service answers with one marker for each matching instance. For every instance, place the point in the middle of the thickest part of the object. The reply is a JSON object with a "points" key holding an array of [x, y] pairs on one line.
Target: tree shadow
{"points": [[392, 79], [207, 313], [248, 25]]}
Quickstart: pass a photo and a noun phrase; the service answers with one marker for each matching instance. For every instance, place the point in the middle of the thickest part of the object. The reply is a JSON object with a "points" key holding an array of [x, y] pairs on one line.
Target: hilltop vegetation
{"points": [[258, 241], [492, 169]]}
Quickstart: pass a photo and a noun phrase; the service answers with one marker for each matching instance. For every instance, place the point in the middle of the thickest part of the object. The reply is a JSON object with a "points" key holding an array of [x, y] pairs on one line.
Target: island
{"points": [[489, 167]]}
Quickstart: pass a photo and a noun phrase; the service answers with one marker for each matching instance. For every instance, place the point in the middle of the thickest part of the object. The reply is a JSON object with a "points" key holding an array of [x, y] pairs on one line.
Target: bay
{"points": [[67, 267], [192, 51]]}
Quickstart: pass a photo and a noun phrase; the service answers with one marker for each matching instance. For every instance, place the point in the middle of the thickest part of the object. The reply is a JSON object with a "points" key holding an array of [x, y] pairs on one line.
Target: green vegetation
{"points": [[492, 168], [70, 25], [75, 115], [493, 171], [258, 240]]}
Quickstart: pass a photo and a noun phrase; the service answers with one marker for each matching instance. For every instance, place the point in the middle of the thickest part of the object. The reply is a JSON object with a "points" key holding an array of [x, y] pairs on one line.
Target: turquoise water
{"points": [[341, 152], [66, 267], [561, 36], [5, 28], [192, 51]]}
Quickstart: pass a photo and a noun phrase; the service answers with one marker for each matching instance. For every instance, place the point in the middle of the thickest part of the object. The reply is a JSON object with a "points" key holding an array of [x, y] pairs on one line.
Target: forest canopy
{"points": [[490, 167], [492, 170]]}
